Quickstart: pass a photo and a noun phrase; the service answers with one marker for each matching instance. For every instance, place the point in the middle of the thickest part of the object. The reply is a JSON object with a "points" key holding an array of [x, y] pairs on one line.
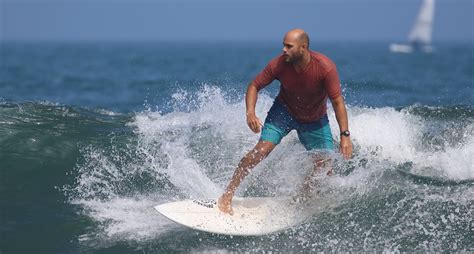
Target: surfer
{"points": [[307, 78]]}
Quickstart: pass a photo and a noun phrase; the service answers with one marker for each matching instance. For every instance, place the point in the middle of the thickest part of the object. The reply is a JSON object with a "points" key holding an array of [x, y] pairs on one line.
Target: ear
{"points": [[304, 46]]}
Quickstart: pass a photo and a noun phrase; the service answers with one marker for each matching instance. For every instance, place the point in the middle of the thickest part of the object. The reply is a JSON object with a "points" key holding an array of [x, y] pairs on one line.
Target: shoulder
{"points": [[276, 64], [277, 61], [323, 61]]}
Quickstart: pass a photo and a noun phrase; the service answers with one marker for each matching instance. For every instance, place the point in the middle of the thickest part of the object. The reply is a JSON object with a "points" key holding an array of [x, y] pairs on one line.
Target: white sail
{"points": [[422, 29], [420, 34]]}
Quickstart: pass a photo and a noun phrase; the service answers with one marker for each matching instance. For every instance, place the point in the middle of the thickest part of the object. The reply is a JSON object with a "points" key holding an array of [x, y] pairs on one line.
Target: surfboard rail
{"points": [[252, 216]]}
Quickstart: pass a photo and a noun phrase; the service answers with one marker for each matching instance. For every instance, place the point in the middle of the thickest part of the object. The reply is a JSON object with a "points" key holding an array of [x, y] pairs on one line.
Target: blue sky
{"points": [[358, 20]]}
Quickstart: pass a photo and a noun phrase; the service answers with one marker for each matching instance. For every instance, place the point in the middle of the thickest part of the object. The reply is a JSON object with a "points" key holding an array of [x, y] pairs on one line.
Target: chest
{"points": [[310, 81]]}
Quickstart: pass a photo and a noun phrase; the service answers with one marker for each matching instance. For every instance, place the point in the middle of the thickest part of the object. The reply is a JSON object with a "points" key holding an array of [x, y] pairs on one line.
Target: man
{"points": [[307, 79]]}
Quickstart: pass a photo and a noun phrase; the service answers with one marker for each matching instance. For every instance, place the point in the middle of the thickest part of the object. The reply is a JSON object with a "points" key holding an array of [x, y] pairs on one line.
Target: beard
{"points": [[294, 58]]}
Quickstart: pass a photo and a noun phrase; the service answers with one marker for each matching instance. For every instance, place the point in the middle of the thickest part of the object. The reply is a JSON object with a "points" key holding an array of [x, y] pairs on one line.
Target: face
{"points": [[293, 49]]}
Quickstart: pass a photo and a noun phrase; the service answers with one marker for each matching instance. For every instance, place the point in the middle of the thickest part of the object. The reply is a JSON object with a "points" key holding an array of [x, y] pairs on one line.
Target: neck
{"points": [[305, 59]]}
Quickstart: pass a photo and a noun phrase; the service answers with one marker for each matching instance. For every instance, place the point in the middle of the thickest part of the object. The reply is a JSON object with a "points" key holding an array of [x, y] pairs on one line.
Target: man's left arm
{"points": [[341, 117]]}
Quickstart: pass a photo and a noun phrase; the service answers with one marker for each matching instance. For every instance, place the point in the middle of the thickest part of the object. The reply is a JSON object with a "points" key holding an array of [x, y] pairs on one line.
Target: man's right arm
{"points": [[263, 79], [251, 96]]}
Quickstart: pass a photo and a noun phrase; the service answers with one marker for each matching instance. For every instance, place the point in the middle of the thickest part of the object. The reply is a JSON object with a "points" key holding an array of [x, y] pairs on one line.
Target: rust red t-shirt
{"points": [[304, 94]]}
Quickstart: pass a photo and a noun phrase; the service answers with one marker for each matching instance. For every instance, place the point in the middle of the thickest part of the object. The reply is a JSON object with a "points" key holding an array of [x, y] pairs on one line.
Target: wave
{"points": [[40, 130], [131, 162]]}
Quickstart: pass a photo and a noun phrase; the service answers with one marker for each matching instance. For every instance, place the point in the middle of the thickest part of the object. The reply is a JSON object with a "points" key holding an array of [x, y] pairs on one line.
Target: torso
{"points": [[304, 93]]}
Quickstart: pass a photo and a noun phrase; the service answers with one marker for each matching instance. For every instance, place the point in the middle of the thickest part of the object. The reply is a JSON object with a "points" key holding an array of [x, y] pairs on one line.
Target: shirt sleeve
{"points": [[332, 84], [266, 76]]}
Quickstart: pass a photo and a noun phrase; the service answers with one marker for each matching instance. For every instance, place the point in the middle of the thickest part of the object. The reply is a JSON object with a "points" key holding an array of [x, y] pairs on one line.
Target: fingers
{"points": [[346, 149], [255, 124], [254, 127], [347, 153]]}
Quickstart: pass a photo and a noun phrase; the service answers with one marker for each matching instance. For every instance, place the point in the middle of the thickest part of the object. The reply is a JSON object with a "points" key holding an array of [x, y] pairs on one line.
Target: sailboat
{"points": [[420, 35]]}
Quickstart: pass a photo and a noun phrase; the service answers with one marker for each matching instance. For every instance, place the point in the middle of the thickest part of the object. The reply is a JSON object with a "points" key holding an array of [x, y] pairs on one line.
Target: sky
{"points": [[230, 20]]}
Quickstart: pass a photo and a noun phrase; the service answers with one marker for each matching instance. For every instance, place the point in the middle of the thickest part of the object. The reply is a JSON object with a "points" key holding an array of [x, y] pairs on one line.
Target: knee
{"points": [[258, 154], [262, 151], [263, 148], [321, 163]]}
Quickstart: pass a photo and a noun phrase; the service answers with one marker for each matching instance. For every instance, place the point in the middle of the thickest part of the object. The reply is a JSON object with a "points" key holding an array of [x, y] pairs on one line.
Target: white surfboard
{"points": [[252, 216]]}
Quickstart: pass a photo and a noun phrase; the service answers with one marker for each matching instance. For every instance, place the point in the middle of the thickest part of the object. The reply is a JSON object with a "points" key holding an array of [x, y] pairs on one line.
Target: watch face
{"points": [[346, 133]]}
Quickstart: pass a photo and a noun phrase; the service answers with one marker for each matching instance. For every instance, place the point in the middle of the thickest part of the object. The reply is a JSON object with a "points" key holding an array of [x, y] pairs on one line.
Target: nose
{"points": [[284, 49]]}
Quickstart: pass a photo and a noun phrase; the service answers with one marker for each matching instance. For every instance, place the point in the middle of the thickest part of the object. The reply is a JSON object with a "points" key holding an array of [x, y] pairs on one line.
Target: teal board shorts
{"points": [[279, 123]]}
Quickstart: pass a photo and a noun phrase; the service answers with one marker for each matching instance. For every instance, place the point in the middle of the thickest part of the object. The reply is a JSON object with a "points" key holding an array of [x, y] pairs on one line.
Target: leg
{"points": [[312, 181], [316, 136], [249, 161], [275, 128]]}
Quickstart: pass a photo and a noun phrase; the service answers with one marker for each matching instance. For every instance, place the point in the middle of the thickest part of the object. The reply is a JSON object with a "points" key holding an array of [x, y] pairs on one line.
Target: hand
{"points": [[346, 147], [224, 203], [254, 122]]}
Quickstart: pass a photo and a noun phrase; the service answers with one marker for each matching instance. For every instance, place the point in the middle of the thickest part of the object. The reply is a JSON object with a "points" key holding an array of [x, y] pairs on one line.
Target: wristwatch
{"points": [[345, 133]]}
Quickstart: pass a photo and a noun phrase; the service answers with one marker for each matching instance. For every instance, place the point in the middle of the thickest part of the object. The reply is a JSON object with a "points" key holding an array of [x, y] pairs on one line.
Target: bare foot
{"points": [[225, 205]]}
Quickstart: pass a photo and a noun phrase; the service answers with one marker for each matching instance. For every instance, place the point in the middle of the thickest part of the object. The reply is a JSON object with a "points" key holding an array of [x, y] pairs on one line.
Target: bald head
{"points": [[296, 47], [298, 34]]}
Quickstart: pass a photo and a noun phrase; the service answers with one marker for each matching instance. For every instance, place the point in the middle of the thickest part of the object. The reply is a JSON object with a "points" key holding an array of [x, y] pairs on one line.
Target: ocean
{"points": [[94, 134]]}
